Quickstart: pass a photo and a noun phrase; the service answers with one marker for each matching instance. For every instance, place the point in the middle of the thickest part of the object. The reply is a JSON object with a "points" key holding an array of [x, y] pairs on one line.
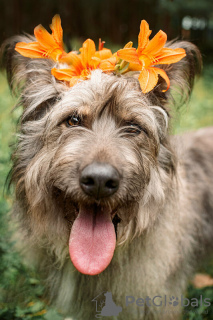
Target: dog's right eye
{"points": [[73, 120]]}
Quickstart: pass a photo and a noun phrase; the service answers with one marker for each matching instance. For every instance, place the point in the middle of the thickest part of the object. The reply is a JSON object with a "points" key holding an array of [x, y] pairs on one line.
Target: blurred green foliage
{"points": [[201, 312], [22, 296], [199, 112]]}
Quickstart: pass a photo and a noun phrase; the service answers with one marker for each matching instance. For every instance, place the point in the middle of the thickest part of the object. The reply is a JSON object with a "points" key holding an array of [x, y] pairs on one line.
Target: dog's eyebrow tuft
{"points": [[108, 104]]}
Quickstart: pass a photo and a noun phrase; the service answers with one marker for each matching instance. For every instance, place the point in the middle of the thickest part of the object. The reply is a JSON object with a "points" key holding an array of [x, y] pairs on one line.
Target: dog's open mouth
{"points": [[93, 239]]}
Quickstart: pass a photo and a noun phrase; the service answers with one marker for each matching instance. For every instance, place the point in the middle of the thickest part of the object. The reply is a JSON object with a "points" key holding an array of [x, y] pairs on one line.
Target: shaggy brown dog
{"points": [[95, 164]]}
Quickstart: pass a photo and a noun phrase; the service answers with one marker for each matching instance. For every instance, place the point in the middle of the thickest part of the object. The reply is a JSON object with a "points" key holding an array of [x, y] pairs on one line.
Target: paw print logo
{"points": [[173, 301]]}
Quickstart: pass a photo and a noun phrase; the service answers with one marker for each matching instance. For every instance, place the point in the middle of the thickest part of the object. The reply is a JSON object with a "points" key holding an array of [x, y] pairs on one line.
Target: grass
{"points": [[199, 113]]}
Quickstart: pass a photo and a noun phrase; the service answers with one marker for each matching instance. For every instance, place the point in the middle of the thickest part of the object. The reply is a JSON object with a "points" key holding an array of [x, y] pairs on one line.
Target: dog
{"points": [[96, 168]]}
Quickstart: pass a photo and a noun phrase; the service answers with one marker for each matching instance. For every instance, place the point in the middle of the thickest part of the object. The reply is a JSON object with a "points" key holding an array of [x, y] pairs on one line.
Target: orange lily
{"points": [[148, 54], [80, 66], [47, 45]]}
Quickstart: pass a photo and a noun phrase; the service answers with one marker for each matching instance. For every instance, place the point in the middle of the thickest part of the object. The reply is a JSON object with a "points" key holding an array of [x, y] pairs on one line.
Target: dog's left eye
{"points": [[73, 120], [133, 128]]}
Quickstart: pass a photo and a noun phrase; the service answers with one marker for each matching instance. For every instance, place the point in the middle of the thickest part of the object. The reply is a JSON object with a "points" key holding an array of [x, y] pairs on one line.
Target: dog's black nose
{"points": [[99, 180]]}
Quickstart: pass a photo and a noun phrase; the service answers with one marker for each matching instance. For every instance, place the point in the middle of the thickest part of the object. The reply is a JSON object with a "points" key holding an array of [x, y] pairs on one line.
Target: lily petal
{"points": [[163, 74], [108, 64], [146, 60], [167, 56], [103, 54], [148, 79], [63, 74], [88, 51], [129, 55], [57, 31], [44, 38], [74, 60], [156, 44], [143, 37], [30, 50], [94, 62], [134, 67]]}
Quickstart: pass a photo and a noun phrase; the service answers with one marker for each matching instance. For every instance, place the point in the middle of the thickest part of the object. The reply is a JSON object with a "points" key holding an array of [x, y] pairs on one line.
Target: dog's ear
{"points": [[181, 74], [30, 79], [19, 69]]}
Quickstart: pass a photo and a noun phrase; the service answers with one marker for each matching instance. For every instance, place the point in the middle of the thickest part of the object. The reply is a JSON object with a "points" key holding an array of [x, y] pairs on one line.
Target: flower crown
{"points": [[79, 65]]}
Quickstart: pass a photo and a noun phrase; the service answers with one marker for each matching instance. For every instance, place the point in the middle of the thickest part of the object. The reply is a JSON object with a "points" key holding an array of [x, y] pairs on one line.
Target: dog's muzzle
{"points": [[99, 180]]}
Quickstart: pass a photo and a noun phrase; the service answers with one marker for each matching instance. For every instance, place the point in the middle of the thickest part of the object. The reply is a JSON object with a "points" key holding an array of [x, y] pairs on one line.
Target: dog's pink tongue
{"points": [[92, 241]]}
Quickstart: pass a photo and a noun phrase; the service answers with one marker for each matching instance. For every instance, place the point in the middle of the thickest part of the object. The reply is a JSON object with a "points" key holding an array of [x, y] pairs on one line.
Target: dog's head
{"points": [[93, 162]]}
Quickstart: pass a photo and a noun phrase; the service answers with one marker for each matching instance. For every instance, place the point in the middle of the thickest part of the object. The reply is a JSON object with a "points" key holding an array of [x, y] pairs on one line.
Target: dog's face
{"points": [[91, 161], [100, 145]]}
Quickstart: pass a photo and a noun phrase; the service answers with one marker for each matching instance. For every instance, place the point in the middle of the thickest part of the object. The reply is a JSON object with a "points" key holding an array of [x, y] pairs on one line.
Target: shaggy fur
{"points": [[164, 204]]}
